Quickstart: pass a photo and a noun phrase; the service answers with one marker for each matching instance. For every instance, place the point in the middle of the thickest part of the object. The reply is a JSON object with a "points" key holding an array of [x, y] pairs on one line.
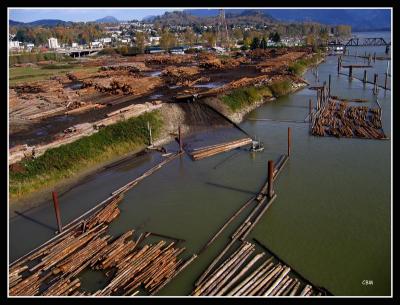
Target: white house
{"points": [[96, 44], [14, 44], [74, 45], [53, 43], [30, 46], [154, 39], [105, 40]]}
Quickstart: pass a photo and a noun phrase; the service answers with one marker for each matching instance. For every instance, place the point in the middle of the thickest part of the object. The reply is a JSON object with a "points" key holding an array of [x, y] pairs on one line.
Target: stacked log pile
{"points": [[181, 76], [204, 152], [237, 276], [168, 59], [338, 119], [54, 269], [148, 267]]}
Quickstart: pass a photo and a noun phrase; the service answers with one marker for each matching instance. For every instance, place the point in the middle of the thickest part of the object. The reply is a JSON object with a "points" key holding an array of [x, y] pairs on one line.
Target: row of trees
{"points": [[79, 32]]}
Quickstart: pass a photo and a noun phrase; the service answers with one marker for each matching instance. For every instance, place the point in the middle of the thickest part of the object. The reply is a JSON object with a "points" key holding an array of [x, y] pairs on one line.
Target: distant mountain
{"points": [[149, 18], [42, 22], [107, 19], [14, 23], [209, 17], [359, 19]]}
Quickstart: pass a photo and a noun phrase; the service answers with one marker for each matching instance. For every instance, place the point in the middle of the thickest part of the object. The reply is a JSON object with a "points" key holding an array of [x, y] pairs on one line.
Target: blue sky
{"points": [[69, 14]]}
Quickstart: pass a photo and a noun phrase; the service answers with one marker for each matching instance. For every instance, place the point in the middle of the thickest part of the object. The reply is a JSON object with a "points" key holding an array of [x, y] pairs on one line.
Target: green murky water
{"points": [[331, 220]]}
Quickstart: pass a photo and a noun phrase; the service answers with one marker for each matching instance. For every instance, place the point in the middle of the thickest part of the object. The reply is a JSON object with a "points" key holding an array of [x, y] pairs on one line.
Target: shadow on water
{"points": [[36, 221], [231, 188]]}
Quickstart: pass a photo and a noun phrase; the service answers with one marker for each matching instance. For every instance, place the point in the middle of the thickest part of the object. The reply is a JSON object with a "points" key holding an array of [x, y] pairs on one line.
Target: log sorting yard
{"points": [[80, 104], [66, 107]]}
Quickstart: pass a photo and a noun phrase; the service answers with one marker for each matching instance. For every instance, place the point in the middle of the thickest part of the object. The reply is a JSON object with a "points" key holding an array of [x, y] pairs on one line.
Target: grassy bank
{"points": [[300, 66], [67, 160], [28, 74], [31, 57], [242, 97]]}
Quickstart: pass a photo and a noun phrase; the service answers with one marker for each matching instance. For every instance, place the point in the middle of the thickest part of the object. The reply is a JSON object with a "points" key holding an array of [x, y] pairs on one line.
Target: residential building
{"points": [[53, 43]]}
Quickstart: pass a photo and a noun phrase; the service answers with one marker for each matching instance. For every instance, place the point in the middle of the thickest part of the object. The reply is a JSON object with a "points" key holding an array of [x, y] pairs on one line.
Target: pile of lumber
{"points": [[237, 276], [211, 63], [132, 67], [338, 119], [148, 267], [209, 151], [54, 268], [180, 75], [168, 59]]}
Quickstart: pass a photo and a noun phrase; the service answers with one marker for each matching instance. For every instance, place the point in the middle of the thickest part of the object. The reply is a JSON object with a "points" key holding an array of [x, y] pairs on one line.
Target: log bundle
{"points": [[148, 267], [53, 270], [338, 119], [212, 150], [239, 275]]}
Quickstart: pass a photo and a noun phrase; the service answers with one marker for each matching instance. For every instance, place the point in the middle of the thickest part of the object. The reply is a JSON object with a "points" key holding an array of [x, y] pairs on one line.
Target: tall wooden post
{"points": [[386, 76], [351, 72], [57, 211], [180, 139], [374, 56], [338, 65], [289, 140], [310, 110], [375, 83], [329, 87], [270, 178], [365, 77]]}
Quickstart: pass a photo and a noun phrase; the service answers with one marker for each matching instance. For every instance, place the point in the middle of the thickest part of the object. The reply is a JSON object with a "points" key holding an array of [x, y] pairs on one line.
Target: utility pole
{"points": [[222, 29]]}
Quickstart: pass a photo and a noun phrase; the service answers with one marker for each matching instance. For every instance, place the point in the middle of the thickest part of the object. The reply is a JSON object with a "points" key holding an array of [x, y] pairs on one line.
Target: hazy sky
{"points": [[69, 14]]}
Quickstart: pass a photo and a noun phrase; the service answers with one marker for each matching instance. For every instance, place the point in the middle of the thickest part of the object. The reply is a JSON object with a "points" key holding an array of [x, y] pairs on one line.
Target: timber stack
{"points": [[237, 276], [53, 269], [338, 119]]}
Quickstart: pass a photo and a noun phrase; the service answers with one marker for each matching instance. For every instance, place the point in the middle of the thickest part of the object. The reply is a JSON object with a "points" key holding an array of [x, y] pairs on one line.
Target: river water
{"points": [[331, 220]]}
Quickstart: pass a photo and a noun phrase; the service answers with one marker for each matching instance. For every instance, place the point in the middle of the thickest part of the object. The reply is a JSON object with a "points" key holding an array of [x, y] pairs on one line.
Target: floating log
{"points": [[226, 224], [224, 147]]}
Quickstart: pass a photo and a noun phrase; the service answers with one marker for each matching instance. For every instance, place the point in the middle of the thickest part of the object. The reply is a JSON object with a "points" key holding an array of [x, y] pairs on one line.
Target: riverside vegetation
{"points": [[67, 160]]}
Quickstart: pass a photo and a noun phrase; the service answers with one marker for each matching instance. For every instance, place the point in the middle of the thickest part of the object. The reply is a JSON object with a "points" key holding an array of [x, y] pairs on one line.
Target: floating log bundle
{"points": [[53, 269], [239, 276], [204, 152], [338, 119]]}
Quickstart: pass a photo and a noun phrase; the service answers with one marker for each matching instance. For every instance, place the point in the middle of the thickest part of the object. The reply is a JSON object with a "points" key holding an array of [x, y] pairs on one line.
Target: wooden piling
{"points": [[271, 177], [57, 211], [374, 56], [386, 76], [289, 131], [338, 65], [365, 77], [350, 72], [375, 83], [310, 110], [329, 86]]}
